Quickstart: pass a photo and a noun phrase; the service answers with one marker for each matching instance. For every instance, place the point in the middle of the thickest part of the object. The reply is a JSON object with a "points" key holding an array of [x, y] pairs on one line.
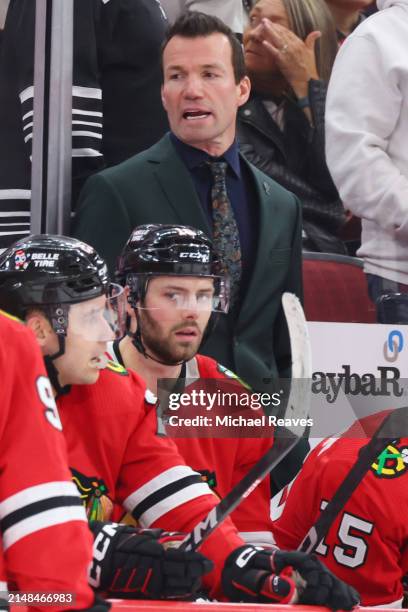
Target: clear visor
{"points": [[188, 293], [101, 319]]}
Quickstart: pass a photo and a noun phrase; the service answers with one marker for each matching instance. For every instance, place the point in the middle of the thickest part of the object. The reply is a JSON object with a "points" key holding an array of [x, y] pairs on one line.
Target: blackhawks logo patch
{"points": [[229, 374], [392, 462], [94, 495], [208, 477]]}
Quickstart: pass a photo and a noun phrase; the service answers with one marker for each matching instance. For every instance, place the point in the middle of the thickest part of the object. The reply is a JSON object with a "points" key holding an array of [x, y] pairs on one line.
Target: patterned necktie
{"points": [[225, 230]]}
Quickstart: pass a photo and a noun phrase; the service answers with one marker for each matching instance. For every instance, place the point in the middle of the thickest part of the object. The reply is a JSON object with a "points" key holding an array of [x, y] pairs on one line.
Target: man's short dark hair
{"points": [[193, 24]]}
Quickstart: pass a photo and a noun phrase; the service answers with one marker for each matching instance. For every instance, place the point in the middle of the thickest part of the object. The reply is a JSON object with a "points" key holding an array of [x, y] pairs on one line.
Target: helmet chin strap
{"points": [[52, 370]]}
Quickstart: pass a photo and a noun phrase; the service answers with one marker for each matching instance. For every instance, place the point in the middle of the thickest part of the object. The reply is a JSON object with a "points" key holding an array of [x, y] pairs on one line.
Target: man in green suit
{"points": [[204, 83]]}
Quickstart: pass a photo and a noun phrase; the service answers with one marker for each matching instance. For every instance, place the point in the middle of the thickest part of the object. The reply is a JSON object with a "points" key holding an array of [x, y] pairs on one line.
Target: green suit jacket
{"points": [[156, 187]]}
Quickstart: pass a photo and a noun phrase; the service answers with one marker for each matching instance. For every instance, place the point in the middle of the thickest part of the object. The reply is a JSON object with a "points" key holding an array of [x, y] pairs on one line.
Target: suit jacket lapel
{"points": [[177, 185]]}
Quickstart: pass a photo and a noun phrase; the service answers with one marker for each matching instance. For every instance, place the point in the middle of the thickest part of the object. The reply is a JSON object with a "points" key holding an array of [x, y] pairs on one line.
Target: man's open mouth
{"points": [[187, 333], [194, 115]]}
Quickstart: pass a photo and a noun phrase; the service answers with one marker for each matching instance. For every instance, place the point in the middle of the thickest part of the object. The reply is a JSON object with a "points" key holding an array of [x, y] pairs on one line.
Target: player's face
{"points": [[85, 343], [199, 91], [174, 316]]}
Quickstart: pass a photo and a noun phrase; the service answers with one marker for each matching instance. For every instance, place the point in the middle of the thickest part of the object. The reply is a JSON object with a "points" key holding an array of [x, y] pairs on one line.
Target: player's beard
{"points": [[161, 347]]}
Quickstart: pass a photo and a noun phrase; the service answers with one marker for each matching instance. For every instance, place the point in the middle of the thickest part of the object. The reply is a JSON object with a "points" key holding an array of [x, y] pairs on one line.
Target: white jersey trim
{"points": [[27, 93], [35, 494], [86, 153], [87, 92], [183, 492], [162, 480], [15, 194], [77, 111], [42, 520], [259, 538], [86, 133], [172, 501]]}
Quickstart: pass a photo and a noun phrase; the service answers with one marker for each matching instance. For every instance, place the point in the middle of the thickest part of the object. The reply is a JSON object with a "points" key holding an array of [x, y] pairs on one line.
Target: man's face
{"points": [[85, 343], [199, 91], [174, 316]]}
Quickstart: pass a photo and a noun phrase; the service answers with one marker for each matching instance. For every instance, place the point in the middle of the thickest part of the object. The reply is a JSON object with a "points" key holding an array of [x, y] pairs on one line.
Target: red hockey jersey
{"points": [[115, 451], [367, 545], [224, 461], [46, 543]]}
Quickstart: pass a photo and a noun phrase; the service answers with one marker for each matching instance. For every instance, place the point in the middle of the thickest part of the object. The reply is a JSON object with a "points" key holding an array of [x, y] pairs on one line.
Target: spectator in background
{"points": [[117, 110], [290, 47], [366, 130], [347, 15], [230, 11]]}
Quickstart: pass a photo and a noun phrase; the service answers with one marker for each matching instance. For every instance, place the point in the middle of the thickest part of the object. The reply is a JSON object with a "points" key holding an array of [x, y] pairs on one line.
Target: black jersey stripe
{"points": [[62, 501], [164, 492]]}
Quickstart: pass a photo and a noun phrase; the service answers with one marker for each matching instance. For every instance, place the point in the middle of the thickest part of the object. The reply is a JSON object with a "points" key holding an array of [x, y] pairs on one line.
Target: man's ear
{"points": [[244, 89], [39, 324], [163, 99]]}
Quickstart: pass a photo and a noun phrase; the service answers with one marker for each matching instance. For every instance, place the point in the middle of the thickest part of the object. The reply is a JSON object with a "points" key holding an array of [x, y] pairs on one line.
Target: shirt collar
{"points": [[193, 157]]}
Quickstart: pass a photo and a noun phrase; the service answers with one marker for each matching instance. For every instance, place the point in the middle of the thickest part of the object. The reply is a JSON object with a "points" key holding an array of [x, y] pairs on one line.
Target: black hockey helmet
{"points": [[169, 250], [50, 271]]}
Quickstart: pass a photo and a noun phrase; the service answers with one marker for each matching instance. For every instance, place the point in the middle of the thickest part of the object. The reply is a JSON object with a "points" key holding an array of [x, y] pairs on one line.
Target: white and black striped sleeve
{"points": [[38, 507], [86, 121], [164, 493]]}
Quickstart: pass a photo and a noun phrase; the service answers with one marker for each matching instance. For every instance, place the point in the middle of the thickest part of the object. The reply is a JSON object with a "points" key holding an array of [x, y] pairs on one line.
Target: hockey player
{"points": [[60, 287], [175, 296], [367, 544], [42, 517], [114, 450]]}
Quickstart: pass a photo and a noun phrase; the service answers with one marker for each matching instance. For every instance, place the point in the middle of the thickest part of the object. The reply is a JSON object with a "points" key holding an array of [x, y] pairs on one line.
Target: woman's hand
{"points": [[295, 58]]}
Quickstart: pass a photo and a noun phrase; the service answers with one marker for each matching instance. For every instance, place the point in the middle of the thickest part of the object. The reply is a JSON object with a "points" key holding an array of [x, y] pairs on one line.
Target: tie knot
{"points": [[218, 169]]}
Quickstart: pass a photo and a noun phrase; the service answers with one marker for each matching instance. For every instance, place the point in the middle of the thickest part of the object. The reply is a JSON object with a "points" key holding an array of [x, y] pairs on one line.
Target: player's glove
{"points": [[252, 574], [142, 563]]}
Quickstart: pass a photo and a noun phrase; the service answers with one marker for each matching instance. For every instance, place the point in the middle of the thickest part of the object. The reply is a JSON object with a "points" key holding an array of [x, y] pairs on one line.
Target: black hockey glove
{"points": [[252, 574], [141, 563], [321, 588]]}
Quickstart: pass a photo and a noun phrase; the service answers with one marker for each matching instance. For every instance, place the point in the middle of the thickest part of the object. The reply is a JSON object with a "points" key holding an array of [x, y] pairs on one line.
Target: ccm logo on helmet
{"points": [[201, 256]]}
